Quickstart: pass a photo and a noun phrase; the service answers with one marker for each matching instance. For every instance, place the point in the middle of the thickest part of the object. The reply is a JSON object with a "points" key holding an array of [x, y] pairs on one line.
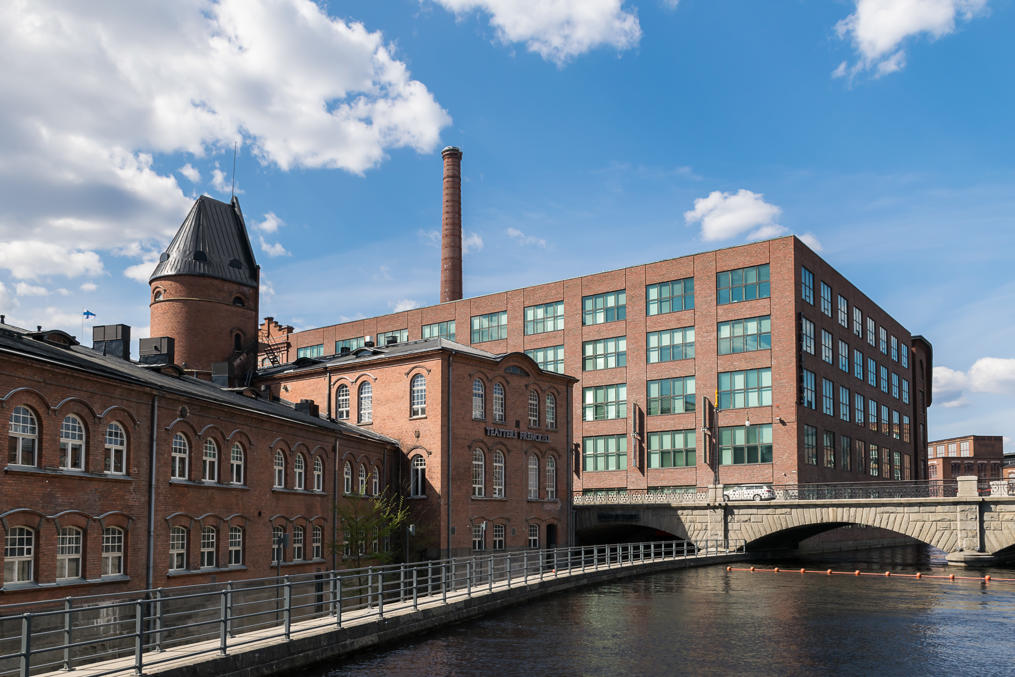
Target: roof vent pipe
{"points": [[451, 226]]}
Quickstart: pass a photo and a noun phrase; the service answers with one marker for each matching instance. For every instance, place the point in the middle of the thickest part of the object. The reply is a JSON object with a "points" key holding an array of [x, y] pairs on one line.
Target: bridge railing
{"points": [[212, 618], [641, 496]]}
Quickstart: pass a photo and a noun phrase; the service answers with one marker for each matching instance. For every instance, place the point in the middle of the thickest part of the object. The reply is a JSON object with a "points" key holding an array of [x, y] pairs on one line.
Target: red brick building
{"points": [[980, 455]]}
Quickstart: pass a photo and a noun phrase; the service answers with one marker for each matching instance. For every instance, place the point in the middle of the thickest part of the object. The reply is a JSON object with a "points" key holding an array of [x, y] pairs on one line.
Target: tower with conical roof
{"points": [[204, 292]]}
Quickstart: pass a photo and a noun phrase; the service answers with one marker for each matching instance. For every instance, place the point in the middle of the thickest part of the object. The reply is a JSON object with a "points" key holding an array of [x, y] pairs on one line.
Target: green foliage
{"points": [[365, 519]]}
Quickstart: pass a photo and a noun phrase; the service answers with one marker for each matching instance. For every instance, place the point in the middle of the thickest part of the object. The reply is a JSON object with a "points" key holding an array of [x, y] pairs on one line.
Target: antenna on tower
{"points": [[232, 187]]}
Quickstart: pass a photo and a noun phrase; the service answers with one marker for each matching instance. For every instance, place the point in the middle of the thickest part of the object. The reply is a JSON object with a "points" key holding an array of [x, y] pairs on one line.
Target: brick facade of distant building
{"points": [[980, 455]]}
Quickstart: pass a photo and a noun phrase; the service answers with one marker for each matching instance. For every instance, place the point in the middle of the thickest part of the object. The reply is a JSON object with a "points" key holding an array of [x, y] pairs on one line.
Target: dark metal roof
{"points": [[212, 242]]}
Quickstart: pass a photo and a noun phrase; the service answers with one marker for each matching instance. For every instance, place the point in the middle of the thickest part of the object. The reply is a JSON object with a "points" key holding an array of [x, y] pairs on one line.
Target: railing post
{"points": [[525, 566], [685, 548], [380, 594], [338, 600], [489, 572], [507, 572], [158, 619], [287, 593], [67, 604], [26, 644], [139, 636], [542, 563], [229, 608], [468, 577], [223, 620], [429, 579], [444, 582], [555, 574], [370, 587], [415, 591], [401, 582]]}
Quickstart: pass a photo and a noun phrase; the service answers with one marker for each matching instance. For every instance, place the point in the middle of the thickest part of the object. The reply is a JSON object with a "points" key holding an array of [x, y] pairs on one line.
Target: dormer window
{"points": [[238, 301], [158, 296]]}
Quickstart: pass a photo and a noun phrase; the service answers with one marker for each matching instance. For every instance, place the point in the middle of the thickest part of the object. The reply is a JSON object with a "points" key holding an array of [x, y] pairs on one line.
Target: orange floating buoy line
{"points": [[884, 574]]}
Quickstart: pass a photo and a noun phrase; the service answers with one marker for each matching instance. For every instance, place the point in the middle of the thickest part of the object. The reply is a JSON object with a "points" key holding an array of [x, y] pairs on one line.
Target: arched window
{"points": [[417, 476], [533, 535], [317, 543], [478, 399], [180, 461], [235, 546], [533, 409], [299, 539], [347, 477], [116, 450], [68, 553], [72, 444], [238, 301], [498, 474], [19, 555], [342, 403], [551, 411], [362, 480], [23, 441], [478, 473], [498, 403], [299, 472], [318, 474], [366, 402], [237, 341], [158, 295], [551, 478], [375, 482], [417, 395], [279, 481], [277, 545], [210, 467], [533, 477], [177, 548], [112, 551], [209, 539], [236, 464]]}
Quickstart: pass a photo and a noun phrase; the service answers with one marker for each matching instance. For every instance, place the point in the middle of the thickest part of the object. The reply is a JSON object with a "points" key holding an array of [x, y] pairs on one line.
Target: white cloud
{"points": [[403, 305], [557, 30], [471, 242], [525, 240], [811, 240], [6, 300], [670, 4], [30, 259], [949, 386], [270, 223], [25, 289], [140, 272], [190, 173], [272, 248], [267, 289], [430, 237], [987, 375], [878, 28], [89, 286], [726, 215], [219, 182]]}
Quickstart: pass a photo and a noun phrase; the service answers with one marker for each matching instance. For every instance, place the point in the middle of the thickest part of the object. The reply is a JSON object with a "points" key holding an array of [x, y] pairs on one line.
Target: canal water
{"points": [[708, 621]]}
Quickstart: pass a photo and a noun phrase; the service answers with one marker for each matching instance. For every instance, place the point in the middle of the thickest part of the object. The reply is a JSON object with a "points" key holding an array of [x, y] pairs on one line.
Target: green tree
{"points": [[365, 519]]}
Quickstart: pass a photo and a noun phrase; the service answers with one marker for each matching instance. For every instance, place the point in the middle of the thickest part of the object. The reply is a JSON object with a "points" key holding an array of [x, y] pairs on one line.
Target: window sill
{"points": [[415, 498], [305, 492], [416, 418], [489, 498], [175, 573], [365, 422], [70, 582], [207, 485], [79, 474]]}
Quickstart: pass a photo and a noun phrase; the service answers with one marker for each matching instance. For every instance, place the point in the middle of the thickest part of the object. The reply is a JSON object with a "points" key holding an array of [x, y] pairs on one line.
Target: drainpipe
{"points": [[447, 450], [149, 568], [329, 395], [334, 504], [569, 455]]}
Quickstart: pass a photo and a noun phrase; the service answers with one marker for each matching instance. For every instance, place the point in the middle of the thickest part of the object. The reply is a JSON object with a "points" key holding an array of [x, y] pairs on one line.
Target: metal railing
{"points": [[137, 628]]}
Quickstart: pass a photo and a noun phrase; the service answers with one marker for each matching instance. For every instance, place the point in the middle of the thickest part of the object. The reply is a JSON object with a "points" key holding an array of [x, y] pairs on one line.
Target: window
{"points": [[896, 425], [362, 480], [533, 409], [904, 356], [365, 403], [543, 318], [845, 447], [350, 343], [807, 335], [112, 551], [236, 464], [843, 357], [498, 536], [749, 388], [883, 371], [23, 437], [671, 449], [177, 548], [896, 465], [884, 421], [533, 535], [602, 403], [400, 336], [479, 536], [548, 359], [68, 553], [277, 545], [19, 555], [895, 349], [905, 428], [742, 284], [72, 444], [498, 474], [809, 389], [210, 465], [310, 351], [602, 308], [498, 403], [843, 311], [478, 400], [417, 395], [116, 450], [872, 372], [235, 546], [318, 474], [810, 445], [208, 538], [180, 459], [858, 364], [490, 327], [807, 285], [342, 403], [279, 480], [478, 473], [604, 452], [826, 299], [417, 477], [317, 543], [857, 322], [858, 409], [551, 478], [875, 466], [533, 477], [826, 346], [440, 330], [299, 472], [883, 340], [670, 345], [828, 445], [375, 482], [551, 411], [741, 444], [741, 336], [870, 331], [299, 536], [895, 385], [872, 415], [669, 297], [604, 353], [844, 403], [671, 396]]}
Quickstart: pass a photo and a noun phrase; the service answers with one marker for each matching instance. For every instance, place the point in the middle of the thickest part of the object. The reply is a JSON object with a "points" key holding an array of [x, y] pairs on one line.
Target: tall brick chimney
{"points": [[451, 226]]}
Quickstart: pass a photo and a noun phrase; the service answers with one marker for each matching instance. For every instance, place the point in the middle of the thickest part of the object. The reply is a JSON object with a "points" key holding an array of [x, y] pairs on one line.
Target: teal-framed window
{"points": [[604, 353], [843, 356], [872, 372], [671, 449], [669, 297], [904, 355], [743, 284], [826, 346], [843, 311], [828, 448], [350, 343], [806, 285], [858, 409], [827, 397], [604, 452], [895, 349], [905, 391], [895, 385], [670, 345], [857, 364], [603, 403], [603, 308], [544, 317], [670, 395], [844, 403], [810, 445], [809, 394], [807, 335], [746, 335], [489, 327], [310, 351], [400, 336], [550, 358], [740, 445], [747, 388], [845, 452], [440, 330], [826, 299], [883, 340]]}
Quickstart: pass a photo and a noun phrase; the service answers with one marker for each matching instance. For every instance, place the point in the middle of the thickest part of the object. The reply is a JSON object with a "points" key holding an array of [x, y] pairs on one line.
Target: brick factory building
{"points": [[980, 455]]}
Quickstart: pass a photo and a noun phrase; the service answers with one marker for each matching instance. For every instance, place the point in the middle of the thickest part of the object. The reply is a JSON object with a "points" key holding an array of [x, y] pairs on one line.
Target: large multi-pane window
{"points": [[601, 403], [543, 318], [277, 545], [895, 385], [533, 535], [533, 484], [904, 355], [498, 474], [826, 346], [810, 445], [875, 463], [807, 335], [671, 395], [489, 327], [236, 463], [299, 543], [671, 449], [551, 411], [177, 548], [827, 397], [883, 340], [896, 425], [843, 356], [550, 358], [551, 478], [417, 395], [400, 336], [604, 353], [23, 437], [883, 371], [843, 311], [872, 372], [905, 391], [347, 478], [858, 409], [112, 551], [498, 403], [210, 461], [498, 536], [209, 537], [115, 461], [362, 480], [180, 458], [828, 448], [895, 349], [365, 403], [342, 402], [602, 308], [807, 285], [235, 546], [350, 344], [299, 471], [318, 474], [310, 351], [72, 444], [809, 387], [278, 466], [478, 400], [741, 336], [440, 330], [870, 331], [905, 428], [317, 543], [857, 322], [857, 364], [417, 476], [68, 553], [884, 420], [872, 415], [748, 388], [670, 345], [669, 297], [604, 452], [845, 452], [742, 284], [478, 473], [533, 409], [19, 555], [826, 299], [479, 536], [742, 444], [844, 403]]}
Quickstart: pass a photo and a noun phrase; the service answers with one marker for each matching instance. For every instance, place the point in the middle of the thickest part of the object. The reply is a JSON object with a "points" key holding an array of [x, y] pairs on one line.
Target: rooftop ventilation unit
{"points": [[112, 340], [159, 350]]}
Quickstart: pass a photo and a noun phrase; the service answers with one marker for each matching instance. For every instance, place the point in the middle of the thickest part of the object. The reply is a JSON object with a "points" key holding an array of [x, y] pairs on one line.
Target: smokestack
{"points": [[451, 226]]}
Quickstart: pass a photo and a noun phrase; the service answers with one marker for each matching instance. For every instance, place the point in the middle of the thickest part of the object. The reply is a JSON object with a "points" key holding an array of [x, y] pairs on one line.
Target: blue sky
{"points": [[596, 134]]}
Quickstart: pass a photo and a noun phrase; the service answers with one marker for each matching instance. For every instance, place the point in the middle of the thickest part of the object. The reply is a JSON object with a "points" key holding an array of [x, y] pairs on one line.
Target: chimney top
{"points": [[451, 150]]}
